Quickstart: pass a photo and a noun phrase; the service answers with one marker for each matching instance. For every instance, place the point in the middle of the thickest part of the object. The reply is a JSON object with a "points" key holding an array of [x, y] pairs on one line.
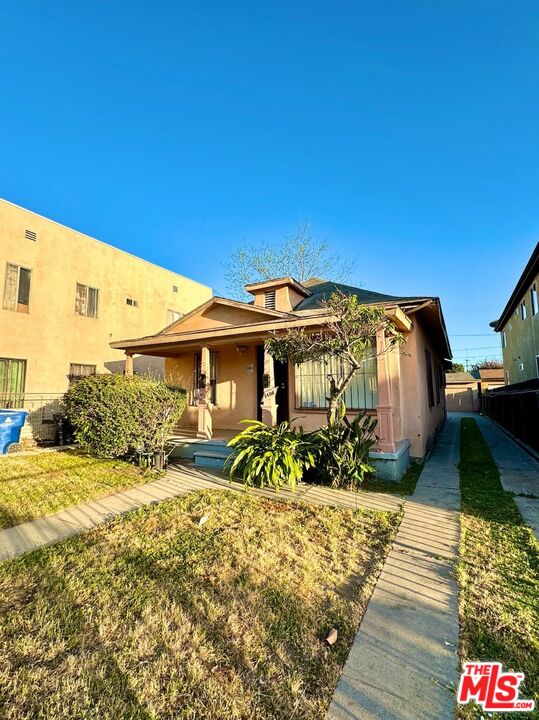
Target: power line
{"points": [[475, 335], [482, 347]]}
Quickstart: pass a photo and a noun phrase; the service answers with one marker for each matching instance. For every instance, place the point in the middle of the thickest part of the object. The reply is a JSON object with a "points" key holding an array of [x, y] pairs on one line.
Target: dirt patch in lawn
{"points": [[158, 616]]}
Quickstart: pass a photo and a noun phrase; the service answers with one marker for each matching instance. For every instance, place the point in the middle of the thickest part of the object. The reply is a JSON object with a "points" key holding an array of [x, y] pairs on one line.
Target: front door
{"points": [[281, 383]]}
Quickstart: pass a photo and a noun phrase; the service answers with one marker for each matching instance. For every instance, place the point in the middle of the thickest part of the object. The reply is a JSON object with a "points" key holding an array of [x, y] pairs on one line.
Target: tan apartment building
{"points": [[66, 295], [519, 326]]}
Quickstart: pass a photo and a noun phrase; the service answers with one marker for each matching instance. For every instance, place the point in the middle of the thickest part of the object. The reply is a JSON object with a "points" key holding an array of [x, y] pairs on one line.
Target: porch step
{"points": [[185, 448], [212, 458]]}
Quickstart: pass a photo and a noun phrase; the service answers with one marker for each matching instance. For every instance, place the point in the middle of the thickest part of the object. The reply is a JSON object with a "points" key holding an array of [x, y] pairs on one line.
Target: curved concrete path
{"points": [[403, 662]]}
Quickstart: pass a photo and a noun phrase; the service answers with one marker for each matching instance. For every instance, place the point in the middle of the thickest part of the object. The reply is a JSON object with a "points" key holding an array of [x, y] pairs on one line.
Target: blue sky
{"points": [[406, 131]]}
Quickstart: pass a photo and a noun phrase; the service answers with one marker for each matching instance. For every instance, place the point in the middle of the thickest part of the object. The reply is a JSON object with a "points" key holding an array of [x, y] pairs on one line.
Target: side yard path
{"points": [[403, 663], [179, 480], [519, 471]]}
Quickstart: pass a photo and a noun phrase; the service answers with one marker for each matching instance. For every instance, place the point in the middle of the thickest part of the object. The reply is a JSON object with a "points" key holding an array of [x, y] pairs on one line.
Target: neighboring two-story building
{"points": [[65, 296], [519, 326]]}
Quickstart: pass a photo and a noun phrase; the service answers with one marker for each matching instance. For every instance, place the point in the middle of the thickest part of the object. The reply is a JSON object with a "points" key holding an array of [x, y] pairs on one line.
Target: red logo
{"points": [[492, 688]]}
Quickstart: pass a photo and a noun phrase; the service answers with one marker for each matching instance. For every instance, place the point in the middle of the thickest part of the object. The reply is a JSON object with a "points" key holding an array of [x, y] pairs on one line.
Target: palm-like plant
{"points": [[273, 456]]}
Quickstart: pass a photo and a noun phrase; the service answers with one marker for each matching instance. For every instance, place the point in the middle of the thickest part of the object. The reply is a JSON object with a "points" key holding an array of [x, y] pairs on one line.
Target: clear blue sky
{"points": [[406, 131]]}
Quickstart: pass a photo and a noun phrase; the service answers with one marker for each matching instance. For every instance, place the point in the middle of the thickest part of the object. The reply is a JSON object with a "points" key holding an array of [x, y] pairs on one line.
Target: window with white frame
{"points": [[86, 301], [523, 310], [312, 384], [172, 316], [131, 302], [17, 288], [533, 299], [504, 339]]}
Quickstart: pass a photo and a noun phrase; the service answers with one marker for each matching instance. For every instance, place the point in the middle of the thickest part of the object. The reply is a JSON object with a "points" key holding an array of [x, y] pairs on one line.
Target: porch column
{"points": [[385, 409], [205, 428], [128, 367], [269, 395]]}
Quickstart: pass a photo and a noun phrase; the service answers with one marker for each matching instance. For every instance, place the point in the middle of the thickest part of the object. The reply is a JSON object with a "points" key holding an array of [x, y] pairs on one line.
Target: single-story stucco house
{"points": [[216, 352]]}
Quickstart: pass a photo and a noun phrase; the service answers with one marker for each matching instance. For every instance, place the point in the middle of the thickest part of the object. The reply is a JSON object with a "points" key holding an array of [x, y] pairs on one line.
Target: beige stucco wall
{"points": [[522, 342], [51, 336], [236, 397]]}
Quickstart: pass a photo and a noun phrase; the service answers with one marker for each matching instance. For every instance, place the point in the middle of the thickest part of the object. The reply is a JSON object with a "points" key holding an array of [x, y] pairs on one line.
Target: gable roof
{"points": [[323, 289], [459, 377]]}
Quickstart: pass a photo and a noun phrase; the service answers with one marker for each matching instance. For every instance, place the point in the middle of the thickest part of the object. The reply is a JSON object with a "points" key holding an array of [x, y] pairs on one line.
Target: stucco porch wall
{"points": [[236, 393]]}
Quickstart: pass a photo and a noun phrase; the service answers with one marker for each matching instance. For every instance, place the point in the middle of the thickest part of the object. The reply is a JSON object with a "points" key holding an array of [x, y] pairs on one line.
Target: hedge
{"points": [[115, 415]]}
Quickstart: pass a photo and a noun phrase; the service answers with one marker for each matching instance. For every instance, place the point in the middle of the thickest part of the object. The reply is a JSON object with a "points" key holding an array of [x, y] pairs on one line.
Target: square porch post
{"points": [[128, 367], [385, 409], [269, 395], [205, 425]]}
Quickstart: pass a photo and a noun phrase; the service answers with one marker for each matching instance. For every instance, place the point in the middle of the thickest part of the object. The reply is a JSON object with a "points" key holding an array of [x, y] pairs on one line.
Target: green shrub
{"points": [[115, 414], [342, 451], [273, 456]]}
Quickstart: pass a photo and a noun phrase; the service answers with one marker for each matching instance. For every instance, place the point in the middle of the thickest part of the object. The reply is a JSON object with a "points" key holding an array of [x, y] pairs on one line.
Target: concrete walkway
{"points": [[519, 471], [179, 480], [403, 662]]}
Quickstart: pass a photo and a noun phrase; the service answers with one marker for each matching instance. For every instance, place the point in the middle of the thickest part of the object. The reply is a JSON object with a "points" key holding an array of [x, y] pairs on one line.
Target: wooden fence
{"points": [[516, 408]]}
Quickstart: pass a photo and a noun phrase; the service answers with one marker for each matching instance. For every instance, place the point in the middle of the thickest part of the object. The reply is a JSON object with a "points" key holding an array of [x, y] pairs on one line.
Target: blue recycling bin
{"points": [[11, 422]]}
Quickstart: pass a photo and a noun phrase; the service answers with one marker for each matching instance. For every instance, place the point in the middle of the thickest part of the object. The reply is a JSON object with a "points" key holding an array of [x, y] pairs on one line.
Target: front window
{"points": [[86, 301], [17, 288], [12, 379], [213, 377], [312, 384]]}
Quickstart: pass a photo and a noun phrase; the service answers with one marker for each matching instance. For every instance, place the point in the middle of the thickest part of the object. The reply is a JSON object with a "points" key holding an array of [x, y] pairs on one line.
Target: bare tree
{"points": [[301, 256], [349, 336]]}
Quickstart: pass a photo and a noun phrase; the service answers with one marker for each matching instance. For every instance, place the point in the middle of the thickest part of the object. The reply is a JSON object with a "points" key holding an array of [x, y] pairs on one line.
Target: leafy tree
{"points": [[488, 365], [301, 256], [348, 335], [457, 367]]}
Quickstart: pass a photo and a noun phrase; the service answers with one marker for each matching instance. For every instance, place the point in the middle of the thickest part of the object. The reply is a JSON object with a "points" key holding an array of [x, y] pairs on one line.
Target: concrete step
{"points": [[187, 447], [211, 458]]}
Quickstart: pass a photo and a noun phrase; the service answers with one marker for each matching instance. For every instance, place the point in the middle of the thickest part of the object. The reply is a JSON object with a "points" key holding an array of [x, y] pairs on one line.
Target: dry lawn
{"points": [[37, 485], [155, 616]]}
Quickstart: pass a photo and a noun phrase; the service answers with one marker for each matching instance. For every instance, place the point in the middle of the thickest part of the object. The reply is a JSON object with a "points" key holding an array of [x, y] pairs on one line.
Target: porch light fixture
{"points": [[241, 348]]}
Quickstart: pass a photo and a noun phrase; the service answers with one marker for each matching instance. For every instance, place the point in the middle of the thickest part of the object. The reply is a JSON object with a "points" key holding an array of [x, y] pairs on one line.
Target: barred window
{"points": [[312, 384], [213, 377]]}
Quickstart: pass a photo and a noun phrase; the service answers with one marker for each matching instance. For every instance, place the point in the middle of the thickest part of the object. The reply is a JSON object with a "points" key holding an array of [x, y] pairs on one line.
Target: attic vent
{"points": [[269, 299], [175, 288], [132, 302], [30, 235]]}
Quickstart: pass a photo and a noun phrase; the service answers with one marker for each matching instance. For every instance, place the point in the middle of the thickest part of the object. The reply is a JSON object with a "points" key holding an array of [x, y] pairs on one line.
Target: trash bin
{"points": [[11, 422]]}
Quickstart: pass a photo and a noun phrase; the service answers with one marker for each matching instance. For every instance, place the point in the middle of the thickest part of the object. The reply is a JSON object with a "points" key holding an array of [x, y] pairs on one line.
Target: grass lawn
{"points": [[155, 616], [37, 485], [498, 572], [405, 486]]}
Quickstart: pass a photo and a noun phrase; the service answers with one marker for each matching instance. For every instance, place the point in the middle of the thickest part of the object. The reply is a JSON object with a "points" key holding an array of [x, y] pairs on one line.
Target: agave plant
{"points": [[273, 456]]}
